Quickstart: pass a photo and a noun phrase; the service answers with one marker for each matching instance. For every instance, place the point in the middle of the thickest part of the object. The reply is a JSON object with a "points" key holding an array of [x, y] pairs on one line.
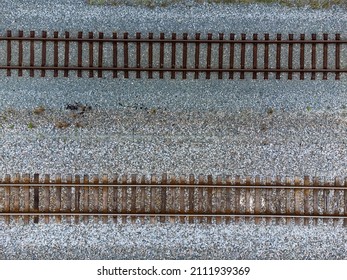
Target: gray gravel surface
{"points": [[142, 126], [178, 127], [75, 15], [171, 241]]}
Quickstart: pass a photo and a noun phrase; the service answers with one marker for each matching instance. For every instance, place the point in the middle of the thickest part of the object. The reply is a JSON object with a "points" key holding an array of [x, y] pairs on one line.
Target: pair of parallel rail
{"points": [[222, 56], [186, 199]]}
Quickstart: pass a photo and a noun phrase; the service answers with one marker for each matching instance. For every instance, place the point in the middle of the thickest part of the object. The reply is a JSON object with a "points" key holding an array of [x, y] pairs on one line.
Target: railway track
{"points": [[222, 56], [186, 199]]}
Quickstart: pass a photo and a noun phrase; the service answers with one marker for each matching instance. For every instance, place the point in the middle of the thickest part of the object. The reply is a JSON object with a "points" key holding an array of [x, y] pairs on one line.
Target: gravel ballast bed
{"points": [[170, 241], [246, 127], [178, 128], [76, 15], [155, 131]]}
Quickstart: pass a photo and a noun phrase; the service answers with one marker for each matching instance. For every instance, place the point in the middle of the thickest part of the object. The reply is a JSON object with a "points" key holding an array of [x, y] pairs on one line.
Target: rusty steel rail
{"points": [[171, 198], [220, 56]]}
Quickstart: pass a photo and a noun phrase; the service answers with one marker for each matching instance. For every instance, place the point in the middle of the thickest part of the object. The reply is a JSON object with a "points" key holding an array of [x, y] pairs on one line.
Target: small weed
{"points": [[97, 2], [270, 111], [153, 111], [10, 111], [31, 125], [314, 4], [61, 124], [308, 108], [11, 126], [78, 108], [78, 125], [40, 136], [39, 110]]}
